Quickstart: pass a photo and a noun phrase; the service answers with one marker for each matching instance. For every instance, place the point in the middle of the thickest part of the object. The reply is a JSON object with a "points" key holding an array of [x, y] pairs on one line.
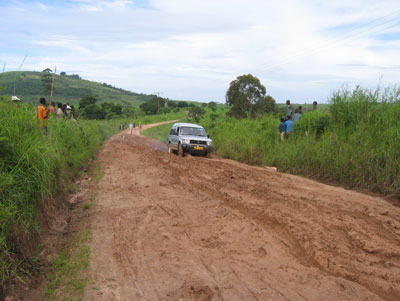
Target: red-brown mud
{"points": [[193, 228]]}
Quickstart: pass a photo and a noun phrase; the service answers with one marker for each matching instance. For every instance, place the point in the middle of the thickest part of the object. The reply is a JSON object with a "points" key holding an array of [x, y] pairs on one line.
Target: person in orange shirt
{"points": [[42, 114]]}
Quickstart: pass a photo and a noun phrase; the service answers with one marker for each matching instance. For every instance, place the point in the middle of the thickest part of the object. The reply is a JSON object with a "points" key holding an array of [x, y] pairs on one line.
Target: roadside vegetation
{"points": [[354, 143], [68, 279], [35, 167]]}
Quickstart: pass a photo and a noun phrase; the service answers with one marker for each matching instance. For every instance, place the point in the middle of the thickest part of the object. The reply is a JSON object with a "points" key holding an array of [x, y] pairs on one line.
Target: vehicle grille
{"points": [[198, 142]]}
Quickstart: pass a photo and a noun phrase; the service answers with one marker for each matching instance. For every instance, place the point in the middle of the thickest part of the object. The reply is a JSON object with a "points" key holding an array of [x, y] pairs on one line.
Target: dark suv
{"points": [[189, 138]]}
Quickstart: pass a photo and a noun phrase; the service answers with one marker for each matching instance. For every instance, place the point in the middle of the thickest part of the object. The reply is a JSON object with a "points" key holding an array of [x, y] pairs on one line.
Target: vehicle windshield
{"points": [[193, 131]]}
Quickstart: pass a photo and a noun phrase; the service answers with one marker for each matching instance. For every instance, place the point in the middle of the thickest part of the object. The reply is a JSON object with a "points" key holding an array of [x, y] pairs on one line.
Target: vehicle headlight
{"points": [[185, 141], [209, 143]]}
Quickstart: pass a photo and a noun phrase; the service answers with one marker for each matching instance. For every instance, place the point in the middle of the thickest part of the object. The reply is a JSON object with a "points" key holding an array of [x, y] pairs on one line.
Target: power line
{"points": [[371, 27]]}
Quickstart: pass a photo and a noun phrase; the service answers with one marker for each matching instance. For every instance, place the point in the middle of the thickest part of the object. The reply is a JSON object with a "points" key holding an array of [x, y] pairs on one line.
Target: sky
{"points": [[302, 50]]}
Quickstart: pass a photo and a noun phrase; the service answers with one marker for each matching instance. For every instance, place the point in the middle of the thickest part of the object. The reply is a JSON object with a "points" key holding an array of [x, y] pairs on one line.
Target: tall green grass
{"points": [[356, 143], [34, 167]]}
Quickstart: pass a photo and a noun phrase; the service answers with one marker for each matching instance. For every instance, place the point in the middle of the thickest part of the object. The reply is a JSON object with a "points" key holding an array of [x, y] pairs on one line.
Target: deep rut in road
{"points": [[192, 228]]}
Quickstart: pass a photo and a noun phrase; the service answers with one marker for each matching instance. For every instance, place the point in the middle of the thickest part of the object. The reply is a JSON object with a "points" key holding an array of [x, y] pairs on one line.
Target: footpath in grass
{"points": [[159, 133]]}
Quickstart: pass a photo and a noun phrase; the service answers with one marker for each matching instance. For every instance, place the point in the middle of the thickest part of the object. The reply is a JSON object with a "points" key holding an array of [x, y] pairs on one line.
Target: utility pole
{"points": [[23, 61], [52, 84], [158, 98]]}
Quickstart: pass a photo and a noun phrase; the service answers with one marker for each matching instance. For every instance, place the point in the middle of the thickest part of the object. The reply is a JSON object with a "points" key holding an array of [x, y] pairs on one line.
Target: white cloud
{"points": [[193, 49]]}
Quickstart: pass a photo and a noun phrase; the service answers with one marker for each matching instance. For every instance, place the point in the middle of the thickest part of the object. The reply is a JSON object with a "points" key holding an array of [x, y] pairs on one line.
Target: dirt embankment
{"points": [[171, 228]]}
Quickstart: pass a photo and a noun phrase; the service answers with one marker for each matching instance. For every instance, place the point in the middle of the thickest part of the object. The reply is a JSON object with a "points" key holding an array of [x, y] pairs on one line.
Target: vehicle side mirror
{"points": [[208, 136]]}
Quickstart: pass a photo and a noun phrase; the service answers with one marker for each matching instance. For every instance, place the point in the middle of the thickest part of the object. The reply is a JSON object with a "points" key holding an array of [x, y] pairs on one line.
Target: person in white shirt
{"points": [[131, 127]]}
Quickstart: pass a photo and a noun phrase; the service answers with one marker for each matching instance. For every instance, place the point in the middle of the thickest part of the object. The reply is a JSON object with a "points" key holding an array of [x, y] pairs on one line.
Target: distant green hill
{"points": [[27, 85]]}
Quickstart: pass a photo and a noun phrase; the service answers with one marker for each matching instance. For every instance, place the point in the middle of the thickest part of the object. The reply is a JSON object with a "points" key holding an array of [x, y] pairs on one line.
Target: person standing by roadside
{"points": [[131, 126], [64, 109], [282, 129], [42, 115], [314, 106], [140, 128], [289, 108], [297, 115], [72, 114], [289, 125], [52, 108], [59, 113]]}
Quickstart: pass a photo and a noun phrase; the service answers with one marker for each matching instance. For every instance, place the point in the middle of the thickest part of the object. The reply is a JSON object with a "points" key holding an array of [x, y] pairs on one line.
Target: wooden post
{"points": [[52, 84]]}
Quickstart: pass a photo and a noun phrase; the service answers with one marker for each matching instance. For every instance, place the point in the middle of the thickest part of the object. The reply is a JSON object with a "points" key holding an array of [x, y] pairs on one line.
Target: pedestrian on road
{"points": [[131, 127], [140, 128]]}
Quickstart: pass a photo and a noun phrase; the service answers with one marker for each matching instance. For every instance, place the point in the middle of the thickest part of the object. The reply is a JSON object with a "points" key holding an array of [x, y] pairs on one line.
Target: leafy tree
{"points": [[172, 104], [151, 106], [203, 104], [106, 106], [196, 113], [86, 101], [264, 106], [112, 107], [165, 110], [243, 94], [76, 76], [63, 73], [93, 111], [128, 110], [182, 104], [116, 108], [212, 105], [47, 79]]}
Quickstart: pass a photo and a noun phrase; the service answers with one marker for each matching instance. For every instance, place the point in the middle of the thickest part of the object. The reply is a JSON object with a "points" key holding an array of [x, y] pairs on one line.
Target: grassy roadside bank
{"points": [[354, 144], [35, 167], [159, 133]]}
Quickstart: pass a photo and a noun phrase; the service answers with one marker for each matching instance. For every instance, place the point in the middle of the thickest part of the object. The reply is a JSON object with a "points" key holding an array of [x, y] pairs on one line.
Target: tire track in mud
{"points": [[292, 242], [170, 228]]}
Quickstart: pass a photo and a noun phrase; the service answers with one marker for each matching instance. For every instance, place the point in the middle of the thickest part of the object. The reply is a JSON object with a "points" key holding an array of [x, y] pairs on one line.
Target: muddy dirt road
{"points": [[192, 228]]}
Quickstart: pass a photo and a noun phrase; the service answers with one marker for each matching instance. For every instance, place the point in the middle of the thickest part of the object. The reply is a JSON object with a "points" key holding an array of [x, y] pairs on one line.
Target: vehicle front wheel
{"points": [[169, 148], [180, 150]]}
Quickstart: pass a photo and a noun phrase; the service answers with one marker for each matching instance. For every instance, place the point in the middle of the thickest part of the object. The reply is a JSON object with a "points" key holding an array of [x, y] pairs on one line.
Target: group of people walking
{"points": [[132, 126], [292, 116]]}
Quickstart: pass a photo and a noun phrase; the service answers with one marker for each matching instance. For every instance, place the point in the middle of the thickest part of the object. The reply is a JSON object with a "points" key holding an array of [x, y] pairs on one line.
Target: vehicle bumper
{"points": [[195, 149]]}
